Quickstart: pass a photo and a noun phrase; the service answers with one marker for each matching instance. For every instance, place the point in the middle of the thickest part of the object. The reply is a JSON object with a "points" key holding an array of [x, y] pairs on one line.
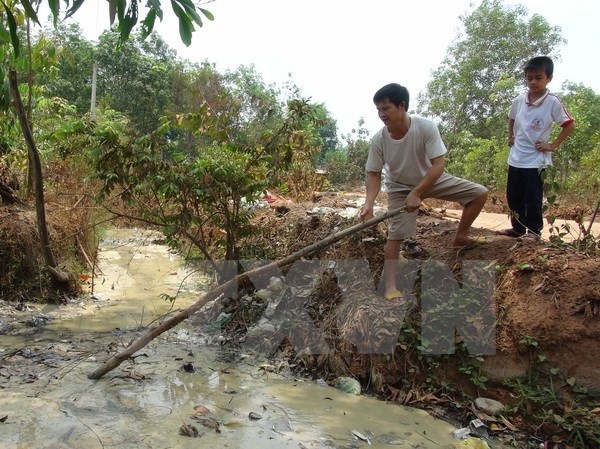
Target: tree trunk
{"points": [[142, 341], [34, 157]]}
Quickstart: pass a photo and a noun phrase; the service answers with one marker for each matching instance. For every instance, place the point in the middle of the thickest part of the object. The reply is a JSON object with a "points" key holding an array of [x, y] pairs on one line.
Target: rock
{"points": [[5, 327], [489, 406], [348, 385], [39, 320], [264, 294], [276, 284]]}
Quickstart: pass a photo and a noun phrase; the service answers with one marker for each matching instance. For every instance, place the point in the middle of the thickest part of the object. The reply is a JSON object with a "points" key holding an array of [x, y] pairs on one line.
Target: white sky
{"points": [[341, 51]]}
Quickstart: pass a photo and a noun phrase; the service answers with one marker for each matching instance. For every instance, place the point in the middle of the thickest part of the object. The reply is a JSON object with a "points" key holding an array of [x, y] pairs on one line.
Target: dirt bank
{"points": [[545, 303]]}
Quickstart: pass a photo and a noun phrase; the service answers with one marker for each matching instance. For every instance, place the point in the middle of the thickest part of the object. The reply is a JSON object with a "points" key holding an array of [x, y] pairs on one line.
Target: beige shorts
{"points": [[447, 187]]}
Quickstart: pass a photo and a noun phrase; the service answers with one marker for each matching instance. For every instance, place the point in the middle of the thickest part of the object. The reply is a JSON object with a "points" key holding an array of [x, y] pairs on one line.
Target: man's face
{"points": [[388, 112]]}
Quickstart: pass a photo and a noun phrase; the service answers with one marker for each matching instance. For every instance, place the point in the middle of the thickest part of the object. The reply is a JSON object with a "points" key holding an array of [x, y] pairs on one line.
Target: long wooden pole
{"points": [[142, 341]]}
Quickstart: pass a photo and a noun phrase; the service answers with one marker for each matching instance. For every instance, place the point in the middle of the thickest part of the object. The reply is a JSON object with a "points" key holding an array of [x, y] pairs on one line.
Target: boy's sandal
{"points": [[510, 233]]}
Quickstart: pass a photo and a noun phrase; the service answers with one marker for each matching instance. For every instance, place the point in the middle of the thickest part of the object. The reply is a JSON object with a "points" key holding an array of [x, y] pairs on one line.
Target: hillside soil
{"points": [[545, 310]]}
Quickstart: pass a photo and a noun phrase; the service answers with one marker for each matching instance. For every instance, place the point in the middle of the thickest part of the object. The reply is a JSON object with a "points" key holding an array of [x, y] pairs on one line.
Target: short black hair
{"points": [[393, 92], [540, 62]]}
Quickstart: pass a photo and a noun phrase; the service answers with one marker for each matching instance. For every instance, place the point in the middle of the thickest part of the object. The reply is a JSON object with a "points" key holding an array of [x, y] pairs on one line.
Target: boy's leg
{"points": [[534, 196], [515, 192]]}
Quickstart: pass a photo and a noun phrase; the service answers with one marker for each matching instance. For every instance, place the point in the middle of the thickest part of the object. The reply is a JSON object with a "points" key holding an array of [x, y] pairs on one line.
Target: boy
{"points": [[530, 120]]}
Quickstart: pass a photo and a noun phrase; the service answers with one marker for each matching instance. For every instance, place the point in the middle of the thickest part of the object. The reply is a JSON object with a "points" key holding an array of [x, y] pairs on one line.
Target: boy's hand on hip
{"points": [[544, 147]]}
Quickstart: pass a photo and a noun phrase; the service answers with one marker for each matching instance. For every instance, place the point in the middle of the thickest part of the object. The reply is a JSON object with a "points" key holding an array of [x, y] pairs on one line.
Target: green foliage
{"points": [[577, 158], [475, 84], [346, 166], [133, 81], [529, 341], [127, 15], [471, 367], [478, 159], [70, 75], [544, 398], [207, 198]]}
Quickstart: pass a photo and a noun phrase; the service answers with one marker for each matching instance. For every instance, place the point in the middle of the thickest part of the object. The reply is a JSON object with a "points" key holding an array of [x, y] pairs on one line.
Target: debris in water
{"points": [[188, 431], [360, 436], [254, 415]]}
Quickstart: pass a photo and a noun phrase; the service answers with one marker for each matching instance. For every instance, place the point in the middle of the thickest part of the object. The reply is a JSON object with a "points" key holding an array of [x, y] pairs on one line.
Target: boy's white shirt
{"points": [[405, 162], [533, 122]]}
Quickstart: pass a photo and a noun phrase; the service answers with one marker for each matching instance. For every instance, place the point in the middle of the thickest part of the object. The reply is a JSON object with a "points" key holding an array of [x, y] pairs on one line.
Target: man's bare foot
{"points": [[468, 242]]}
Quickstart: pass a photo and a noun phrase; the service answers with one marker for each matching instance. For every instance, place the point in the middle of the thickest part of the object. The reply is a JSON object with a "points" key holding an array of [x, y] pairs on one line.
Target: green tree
{"points": [[327, 132], [16, 16], [204, 199], [70, 77], [477, 80], [135, 78], [346, 165], [578, 158]]}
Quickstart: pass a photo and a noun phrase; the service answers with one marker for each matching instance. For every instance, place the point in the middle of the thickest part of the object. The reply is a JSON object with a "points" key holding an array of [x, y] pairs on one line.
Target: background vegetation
{"points": [[188, 148]]}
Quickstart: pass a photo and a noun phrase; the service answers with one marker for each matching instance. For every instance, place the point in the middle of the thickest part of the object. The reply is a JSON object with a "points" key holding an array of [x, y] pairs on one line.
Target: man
{"points": [[410, 152]]}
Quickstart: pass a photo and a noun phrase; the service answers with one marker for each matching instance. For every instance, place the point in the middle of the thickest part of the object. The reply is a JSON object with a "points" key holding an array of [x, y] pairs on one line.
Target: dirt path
{"points": [[496, 222]]}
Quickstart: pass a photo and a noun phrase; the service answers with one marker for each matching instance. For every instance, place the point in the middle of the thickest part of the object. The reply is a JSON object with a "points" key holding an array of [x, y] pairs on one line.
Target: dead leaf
{"points": [[209, 422], [200, 410], [188, 431], [3, 418], [481, 415], [508, 424]]}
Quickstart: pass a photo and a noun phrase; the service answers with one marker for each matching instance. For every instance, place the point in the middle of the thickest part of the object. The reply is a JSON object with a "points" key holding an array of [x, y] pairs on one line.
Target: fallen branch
{"points": [[142, 341]]}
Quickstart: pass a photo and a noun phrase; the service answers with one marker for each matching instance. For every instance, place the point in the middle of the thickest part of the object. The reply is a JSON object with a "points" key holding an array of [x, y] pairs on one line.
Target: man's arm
{"points": [[413, 200], [373, 185]]}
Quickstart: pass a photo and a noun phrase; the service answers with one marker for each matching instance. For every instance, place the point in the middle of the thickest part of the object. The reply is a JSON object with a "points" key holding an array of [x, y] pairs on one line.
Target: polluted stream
{"points": [[178, 391]]}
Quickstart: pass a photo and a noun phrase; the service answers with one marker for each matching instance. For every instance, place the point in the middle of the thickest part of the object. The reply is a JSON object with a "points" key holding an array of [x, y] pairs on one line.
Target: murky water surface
{"points": [[145, 403]]}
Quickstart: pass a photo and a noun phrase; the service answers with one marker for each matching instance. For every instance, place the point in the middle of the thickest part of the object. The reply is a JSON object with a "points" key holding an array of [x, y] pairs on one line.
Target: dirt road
{"points": [[496, 222]]}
